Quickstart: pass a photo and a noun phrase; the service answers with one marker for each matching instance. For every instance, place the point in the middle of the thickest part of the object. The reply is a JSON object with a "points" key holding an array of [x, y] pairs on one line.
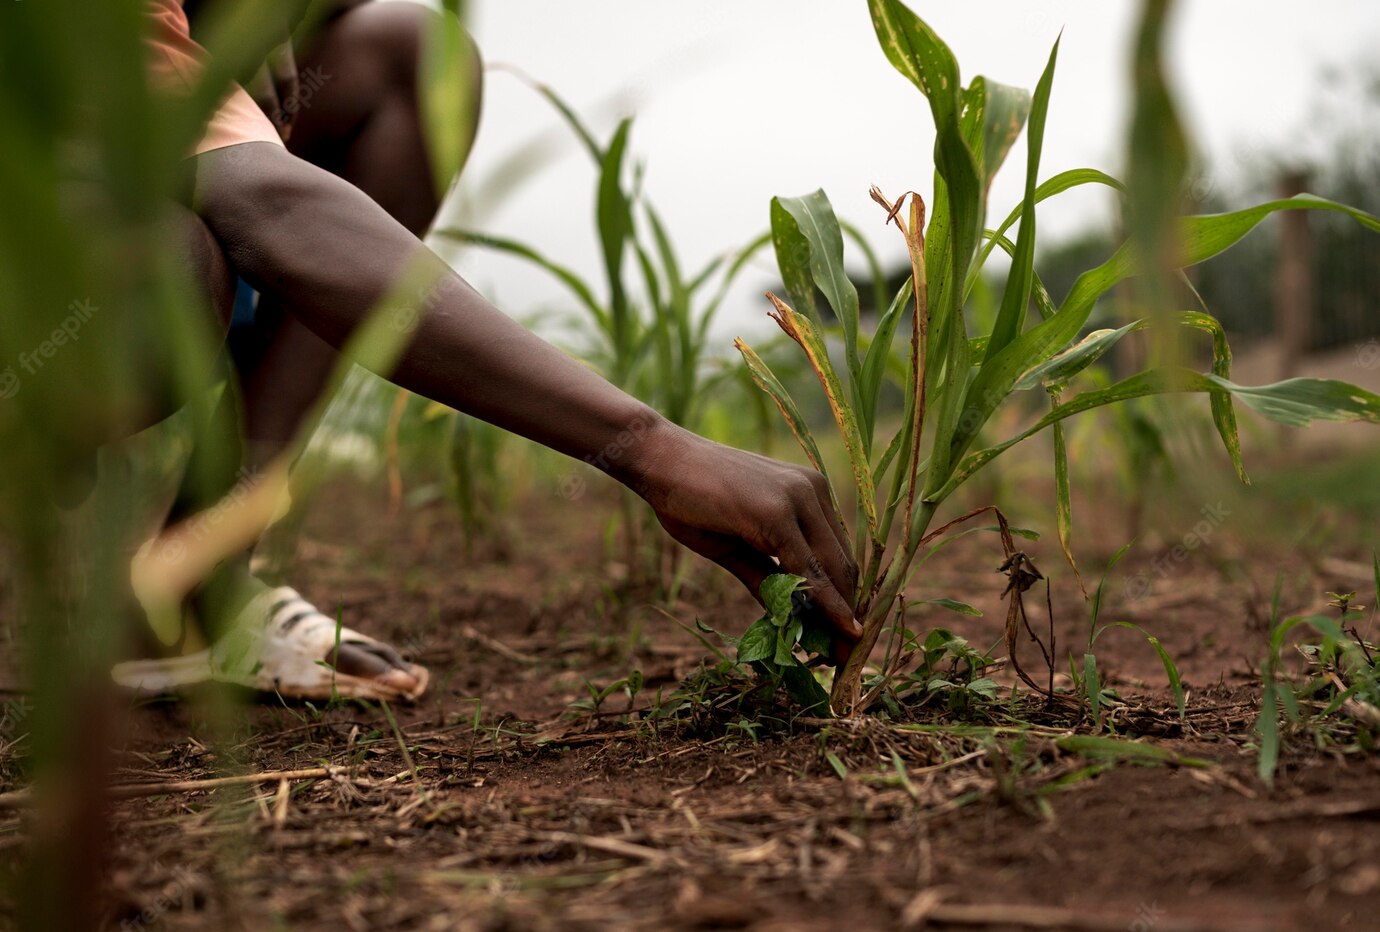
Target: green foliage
{"points": [[770, 643], [648, 322], [956, 380], [1343, 675], [1087, 681]]}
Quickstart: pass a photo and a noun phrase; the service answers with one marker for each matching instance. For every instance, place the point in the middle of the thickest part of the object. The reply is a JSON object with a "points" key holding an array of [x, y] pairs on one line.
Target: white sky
{"points": [[740, 101]]}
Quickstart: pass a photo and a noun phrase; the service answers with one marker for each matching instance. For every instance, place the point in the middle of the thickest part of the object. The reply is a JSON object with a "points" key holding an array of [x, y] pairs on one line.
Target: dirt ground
{"points": [[546, 817]]}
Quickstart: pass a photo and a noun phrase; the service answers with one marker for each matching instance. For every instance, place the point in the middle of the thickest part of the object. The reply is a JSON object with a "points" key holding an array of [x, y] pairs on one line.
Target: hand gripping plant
{"points": [[956, 379]]}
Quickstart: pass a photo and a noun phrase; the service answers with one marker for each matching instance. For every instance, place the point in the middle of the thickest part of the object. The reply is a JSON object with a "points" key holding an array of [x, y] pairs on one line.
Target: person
{"points": [[322, 224]]}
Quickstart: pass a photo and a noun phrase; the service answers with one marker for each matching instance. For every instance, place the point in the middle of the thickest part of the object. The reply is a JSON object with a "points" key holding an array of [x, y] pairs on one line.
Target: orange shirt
{"points": [[175, 62]]}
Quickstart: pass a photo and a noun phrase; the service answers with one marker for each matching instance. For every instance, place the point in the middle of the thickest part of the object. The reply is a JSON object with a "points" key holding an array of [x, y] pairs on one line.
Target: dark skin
{"points": [[325, 230]]}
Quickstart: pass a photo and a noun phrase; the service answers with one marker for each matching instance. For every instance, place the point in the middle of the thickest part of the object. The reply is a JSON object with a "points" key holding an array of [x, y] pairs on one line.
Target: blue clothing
{"points": [[246, 303]]}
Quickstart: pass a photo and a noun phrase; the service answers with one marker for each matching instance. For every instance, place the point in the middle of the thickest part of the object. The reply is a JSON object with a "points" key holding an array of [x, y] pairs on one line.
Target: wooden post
{"points": [[1293, 280]]}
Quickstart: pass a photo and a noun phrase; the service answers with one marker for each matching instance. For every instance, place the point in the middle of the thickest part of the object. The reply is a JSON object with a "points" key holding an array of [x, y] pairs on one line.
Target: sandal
{"points": [[282, 644]]}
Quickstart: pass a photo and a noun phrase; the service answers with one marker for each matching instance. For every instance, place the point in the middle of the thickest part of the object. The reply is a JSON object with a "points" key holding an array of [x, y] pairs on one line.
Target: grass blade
{"points": [[817, 230], [802, 332], [1063, 497], [1295, 402], [614, 212], [767, 381], [1011, 317]]}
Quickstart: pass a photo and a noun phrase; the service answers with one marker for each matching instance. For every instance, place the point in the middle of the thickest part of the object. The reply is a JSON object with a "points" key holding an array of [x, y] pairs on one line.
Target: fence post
{"points": [[1293, 280]]}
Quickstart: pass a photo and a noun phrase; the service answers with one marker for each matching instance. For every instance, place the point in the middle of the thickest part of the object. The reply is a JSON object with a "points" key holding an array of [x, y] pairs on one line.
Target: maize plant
{"points": [[957, 379]]}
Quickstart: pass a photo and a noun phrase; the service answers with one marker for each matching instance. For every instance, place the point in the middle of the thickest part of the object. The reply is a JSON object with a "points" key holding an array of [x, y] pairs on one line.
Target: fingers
{"points": [[826, 507], [750, 567], [798, 557], [827, 541]]}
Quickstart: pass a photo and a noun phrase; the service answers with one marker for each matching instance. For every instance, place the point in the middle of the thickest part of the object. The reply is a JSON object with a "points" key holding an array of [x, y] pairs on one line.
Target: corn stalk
{"points": [[955, 381]]}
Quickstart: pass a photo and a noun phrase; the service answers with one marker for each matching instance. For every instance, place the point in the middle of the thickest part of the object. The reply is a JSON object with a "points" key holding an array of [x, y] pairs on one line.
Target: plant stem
{"points": [[848, 680]]}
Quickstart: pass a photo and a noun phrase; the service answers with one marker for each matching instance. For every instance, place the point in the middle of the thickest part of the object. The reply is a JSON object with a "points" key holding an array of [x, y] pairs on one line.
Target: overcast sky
{"points": [[740, 101]]}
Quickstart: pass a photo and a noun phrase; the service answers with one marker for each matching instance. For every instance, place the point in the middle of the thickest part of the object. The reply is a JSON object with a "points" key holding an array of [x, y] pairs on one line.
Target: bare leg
{"points": [[359, 119]]}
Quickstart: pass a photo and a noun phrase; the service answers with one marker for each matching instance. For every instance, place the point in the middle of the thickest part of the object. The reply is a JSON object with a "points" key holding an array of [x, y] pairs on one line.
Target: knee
{"points": [[394, 36], [246, 192]]}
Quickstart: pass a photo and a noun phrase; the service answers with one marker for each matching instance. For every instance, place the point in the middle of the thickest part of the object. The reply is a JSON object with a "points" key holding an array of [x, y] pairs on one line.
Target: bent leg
{"points": [[358, 116]]}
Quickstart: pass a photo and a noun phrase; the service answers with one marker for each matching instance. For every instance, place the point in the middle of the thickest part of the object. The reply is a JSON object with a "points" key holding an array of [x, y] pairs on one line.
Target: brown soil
{"points": [[545, 819]]}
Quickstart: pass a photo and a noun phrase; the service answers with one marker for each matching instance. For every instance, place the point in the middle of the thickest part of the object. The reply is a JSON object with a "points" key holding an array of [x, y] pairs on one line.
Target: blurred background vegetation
{"points": [[92, 159]]}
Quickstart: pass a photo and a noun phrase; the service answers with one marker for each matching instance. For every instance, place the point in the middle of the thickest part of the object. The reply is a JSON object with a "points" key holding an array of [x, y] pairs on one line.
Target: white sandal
{"points": [[280, 644]]}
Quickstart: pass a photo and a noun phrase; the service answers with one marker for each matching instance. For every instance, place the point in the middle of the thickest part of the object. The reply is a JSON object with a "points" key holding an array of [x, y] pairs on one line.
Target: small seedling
{"points": [[1088, 681]]}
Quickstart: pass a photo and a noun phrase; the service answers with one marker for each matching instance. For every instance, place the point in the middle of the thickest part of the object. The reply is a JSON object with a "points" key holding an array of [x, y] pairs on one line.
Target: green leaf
{"points": [[1171, 670], [984, 686], [573, 120], [802, 686], [956, 215], [1122, 749], [1095, 609], [1061, 367], [758, 641], [875, 360], [916, 51], [767, 381], [1299, 402], [1158, 158], [1043, 302], [614, 212], [1004, 113], [1056, 185], [1201, 238], [1296, 402], [1011, 318], [1092, 685], [786, 637], [793, 258], [1267, 727], [776, 594], [447, 84], [814, 218], [953, 605], [1063, 497], [837, 765]]}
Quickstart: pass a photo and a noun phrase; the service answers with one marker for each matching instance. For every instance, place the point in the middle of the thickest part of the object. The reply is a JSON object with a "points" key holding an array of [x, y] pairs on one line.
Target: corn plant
{"points": [[651, 338], [957, 379]]}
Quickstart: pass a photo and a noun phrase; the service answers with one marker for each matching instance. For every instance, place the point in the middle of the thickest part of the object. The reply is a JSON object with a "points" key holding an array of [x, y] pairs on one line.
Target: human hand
{"points": [[754, 516]]}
